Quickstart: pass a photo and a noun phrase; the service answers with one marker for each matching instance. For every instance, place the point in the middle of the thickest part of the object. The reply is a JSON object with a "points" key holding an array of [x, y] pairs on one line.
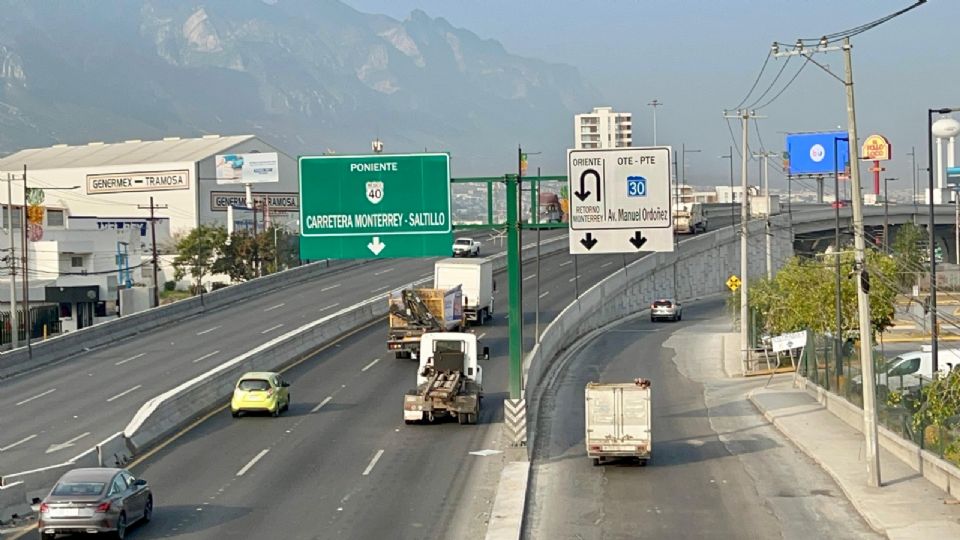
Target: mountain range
{"points": [[309, 76]]}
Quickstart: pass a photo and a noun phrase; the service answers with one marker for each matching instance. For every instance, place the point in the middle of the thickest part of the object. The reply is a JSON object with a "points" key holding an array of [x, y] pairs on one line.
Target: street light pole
{"points": [[655, 103], [934, 329], [733, 215], [886, 219]]}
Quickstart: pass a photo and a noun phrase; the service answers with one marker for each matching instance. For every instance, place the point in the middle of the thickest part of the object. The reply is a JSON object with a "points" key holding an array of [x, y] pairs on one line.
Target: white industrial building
{"points": [[99, 180], [603, 128]]}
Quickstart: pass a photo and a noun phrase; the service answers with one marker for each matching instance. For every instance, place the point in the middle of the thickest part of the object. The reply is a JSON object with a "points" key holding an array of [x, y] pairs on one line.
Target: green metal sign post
{"points": [[514, 283], [375, 206]]}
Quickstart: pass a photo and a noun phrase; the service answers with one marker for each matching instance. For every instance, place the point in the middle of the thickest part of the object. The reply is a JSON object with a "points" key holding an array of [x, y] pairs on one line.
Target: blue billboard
{"points": [[812, 153]]}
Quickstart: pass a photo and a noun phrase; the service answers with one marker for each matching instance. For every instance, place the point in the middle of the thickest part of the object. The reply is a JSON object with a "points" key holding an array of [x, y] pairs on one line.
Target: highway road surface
{"points": [[55, 413], [342, 463], [718, 469]]}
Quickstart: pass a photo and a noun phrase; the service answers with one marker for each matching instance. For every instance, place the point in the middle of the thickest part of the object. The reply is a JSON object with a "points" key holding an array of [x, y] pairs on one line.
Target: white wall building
{"points": [[726, 195], [117, 180], [76, 272], [603, 128]]}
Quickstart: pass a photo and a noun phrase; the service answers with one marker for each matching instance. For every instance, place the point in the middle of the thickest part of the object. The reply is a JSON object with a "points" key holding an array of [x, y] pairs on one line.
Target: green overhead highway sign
{"points": [[375, 206]]}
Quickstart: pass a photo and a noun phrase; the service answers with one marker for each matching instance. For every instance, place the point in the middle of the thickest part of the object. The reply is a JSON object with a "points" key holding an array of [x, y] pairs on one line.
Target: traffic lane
{"points": [[138, 369], [100, 399], [316, 452], [717, 469], [415, 444]]}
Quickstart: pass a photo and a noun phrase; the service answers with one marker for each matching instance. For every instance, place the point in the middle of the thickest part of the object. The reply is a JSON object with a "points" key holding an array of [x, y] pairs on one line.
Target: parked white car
{"points": [[466, 247]]}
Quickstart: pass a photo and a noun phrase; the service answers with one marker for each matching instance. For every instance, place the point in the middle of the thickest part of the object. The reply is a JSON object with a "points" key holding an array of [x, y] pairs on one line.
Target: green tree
{"points": [[198, 251], [938, 414], [908, 252], [802, 295], [237, 258]]}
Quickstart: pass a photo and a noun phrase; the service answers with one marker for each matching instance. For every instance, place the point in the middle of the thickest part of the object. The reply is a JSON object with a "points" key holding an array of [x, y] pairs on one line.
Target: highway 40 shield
{"points": [[375, 192]]}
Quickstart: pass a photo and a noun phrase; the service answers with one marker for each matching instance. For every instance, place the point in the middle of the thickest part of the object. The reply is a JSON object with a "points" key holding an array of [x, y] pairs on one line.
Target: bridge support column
{"points": [[820, 190]]}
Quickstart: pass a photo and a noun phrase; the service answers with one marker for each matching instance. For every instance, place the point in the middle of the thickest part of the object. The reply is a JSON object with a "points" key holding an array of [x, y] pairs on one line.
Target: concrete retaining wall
{"points": [[702, 265], [940, 472], [72, 343]]}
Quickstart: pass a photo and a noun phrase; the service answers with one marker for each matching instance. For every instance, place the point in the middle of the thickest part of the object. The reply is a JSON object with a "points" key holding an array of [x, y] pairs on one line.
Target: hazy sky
{"points": [[699, 57]]}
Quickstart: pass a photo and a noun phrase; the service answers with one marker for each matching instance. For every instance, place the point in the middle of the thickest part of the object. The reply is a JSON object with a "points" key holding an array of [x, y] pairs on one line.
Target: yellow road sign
{"points": [[733, 283]]}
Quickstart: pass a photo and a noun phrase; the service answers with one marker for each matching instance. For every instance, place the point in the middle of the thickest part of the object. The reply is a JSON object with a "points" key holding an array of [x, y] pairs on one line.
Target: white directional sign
{"points": [[620, 200]]}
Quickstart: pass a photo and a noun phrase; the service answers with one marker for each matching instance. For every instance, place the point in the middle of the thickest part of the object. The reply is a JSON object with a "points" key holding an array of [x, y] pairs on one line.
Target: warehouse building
{"points": [[99, 180]]}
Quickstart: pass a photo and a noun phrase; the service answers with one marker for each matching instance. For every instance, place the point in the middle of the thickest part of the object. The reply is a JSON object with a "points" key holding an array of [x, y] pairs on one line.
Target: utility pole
{"points": [[863, 288], [25, 280], [863, 283], [14, 326], [766, 196], [744, 115], [655, 103], [153, 239], [256, 246]]}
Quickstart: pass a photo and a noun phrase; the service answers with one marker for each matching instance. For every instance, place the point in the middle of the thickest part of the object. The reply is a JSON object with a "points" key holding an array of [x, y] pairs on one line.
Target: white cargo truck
{"points": [[618, 421], [475, 278], [689, 218]]}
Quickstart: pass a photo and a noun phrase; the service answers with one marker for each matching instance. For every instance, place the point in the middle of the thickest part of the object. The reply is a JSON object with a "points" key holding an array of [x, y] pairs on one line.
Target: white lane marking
{"points": [[207, 331], [125, 392], [381, 289], [330, 288], [134, 357], [566, 263], [40, 395], [271, 308], [481, 335], [321, 404], [204, 357], [544, 294], [371, 364], [571, 280], [252, 462], [606, 264], [18, 443], [272, 328], [331, 306], [57, 447], [382, 272], [428, 274], [531, 276], [373, 462]]}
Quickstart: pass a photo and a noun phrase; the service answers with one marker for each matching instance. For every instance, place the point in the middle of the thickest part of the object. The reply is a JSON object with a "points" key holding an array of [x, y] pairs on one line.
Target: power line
{"points": [[772, 83], [757, 80], [784, 89]]}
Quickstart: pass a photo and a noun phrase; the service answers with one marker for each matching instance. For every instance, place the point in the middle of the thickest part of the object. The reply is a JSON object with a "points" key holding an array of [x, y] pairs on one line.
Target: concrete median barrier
{"points": [[113, 451], [64, 346], [13, 501]]}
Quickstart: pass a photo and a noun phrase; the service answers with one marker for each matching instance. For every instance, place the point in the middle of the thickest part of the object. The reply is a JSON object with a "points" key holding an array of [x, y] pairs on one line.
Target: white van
{"points": [[905, 370]]}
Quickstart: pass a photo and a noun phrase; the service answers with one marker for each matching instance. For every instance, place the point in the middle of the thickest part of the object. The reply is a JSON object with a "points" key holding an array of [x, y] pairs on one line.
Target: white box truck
{"points": [[618, 421], [475, 278]]}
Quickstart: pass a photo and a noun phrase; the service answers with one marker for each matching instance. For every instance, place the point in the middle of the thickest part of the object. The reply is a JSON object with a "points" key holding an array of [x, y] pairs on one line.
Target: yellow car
{"points": [[260, 391]]}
